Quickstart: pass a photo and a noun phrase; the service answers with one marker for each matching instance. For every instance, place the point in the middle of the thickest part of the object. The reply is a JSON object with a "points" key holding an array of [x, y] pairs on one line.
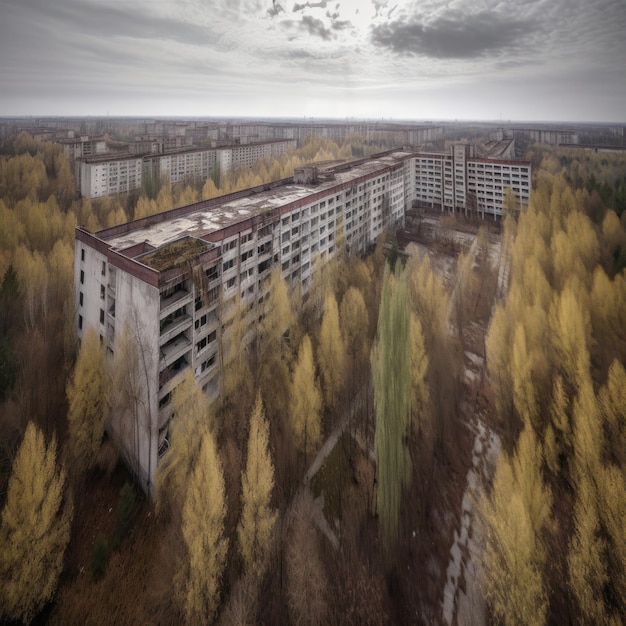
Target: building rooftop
{"points": [[495, 149], [203, 218], [110, 156]]}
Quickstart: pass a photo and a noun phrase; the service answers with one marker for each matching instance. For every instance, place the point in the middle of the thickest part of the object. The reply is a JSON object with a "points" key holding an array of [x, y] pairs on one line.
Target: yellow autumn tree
{"points": [[354, 327], [331, 353], [87, 394], [209, 190], [200, 571], [236, 377], [498, 348], [558, 431], [427, 296], [306, 401], [524, 392], [272, 353], [612, 401], [513, 552], [586, 558], [257, 483], [35, 528], [193, 418], [568, 332]]}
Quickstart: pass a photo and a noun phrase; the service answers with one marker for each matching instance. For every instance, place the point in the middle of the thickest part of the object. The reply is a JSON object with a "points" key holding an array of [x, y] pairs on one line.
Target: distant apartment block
{"points": [[246, 155], [460, 181], [75, 148], [108, 174], [401, 134], [170, 279]]}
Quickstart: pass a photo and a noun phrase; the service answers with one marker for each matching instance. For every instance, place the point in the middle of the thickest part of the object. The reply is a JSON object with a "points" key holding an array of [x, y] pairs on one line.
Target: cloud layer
{"points": [[545, 59], [454, 35]]}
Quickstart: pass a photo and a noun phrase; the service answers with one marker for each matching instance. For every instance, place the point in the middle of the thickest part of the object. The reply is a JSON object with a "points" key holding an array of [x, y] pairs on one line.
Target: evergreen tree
{"points": [[200, 570], [35, 529], [391, 371], [514, 514], [257, 483], [87, 393], [193, 418], [331, 353], [306, 402]]}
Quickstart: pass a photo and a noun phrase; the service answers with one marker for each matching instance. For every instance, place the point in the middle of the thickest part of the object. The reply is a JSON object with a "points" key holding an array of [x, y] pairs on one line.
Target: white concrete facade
{"points": [[106, 175], [459, 181], [109, 174]]}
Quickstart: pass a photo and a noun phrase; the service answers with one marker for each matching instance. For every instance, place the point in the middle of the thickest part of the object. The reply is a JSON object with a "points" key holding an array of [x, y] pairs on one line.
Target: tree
{"points": [[306, 401], [236, 378], [192, 419], [131, 415], [257, 483], [354, 325], [209, 190], [272, 353], [200, 571], [391, 372], [87, 393], [331, 353], [568, 332], [420, 396], [35, 528], [586, 558], [524, 392], [612, 400], [514, 554], [428, 299]]}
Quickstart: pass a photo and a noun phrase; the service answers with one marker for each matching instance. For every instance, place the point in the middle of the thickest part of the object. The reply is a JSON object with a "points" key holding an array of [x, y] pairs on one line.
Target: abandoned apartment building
{"points": [[169, 279]]}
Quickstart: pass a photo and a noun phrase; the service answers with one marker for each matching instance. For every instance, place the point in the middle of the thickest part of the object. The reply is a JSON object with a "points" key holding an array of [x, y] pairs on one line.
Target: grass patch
{"points": [[174, 254]]}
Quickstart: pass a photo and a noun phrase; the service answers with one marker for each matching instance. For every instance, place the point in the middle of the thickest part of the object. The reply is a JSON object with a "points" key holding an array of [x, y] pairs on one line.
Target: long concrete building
{"points": [[461, 181], [169, 280], [109, 173]]}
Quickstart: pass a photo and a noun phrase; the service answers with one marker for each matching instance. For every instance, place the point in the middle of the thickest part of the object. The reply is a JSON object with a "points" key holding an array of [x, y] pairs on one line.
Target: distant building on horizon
{"points": [[112, 173]]}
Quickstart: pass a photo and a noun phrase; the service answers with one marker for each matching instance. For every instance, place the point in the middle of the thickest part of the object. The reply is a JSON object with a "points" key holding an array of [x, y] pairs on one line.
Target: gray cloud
{"points": [[454, 35], [310, 5], [315, 27], [129, 20], [535, 58]]}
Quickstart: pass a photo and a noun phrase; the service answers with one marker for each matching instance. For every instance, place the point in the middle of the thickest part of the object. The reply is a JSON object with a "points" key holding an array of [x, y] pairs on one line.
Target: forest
{"points": [[254, 521]]}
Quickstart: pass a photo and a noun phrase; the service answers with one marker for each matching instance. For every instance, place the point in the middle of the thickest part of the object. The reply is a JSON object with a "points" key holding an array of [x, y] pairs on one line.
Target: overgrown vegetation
{"points": [[556, 353], [235, 521]]}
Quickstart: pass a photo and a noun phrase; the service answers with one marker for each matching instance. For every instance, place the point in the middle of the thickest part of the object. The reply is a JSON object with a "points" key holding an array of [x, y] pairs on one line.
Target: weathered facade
{"points": [[165, 283]]}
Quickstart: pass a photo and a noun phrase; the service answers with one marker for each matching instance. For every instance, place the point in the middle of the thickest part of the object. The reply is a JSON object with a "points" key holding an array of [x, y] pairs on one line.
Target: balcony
{"points": [[175, 301], [175, 327], [171, 376], [174, 349]]}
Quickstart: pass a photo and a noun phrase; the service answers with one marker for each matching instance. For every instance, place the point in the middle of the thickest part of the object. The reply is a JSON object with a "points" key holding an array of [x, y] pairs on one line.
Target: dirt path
{"points": [[463, 602], [358, 404]]}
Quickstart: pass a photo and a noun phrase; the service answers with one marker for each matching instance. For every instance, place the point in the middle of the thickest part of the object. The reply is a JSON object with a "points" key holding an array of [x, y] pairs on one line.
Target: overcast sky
{"points": [[412, 59]]}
